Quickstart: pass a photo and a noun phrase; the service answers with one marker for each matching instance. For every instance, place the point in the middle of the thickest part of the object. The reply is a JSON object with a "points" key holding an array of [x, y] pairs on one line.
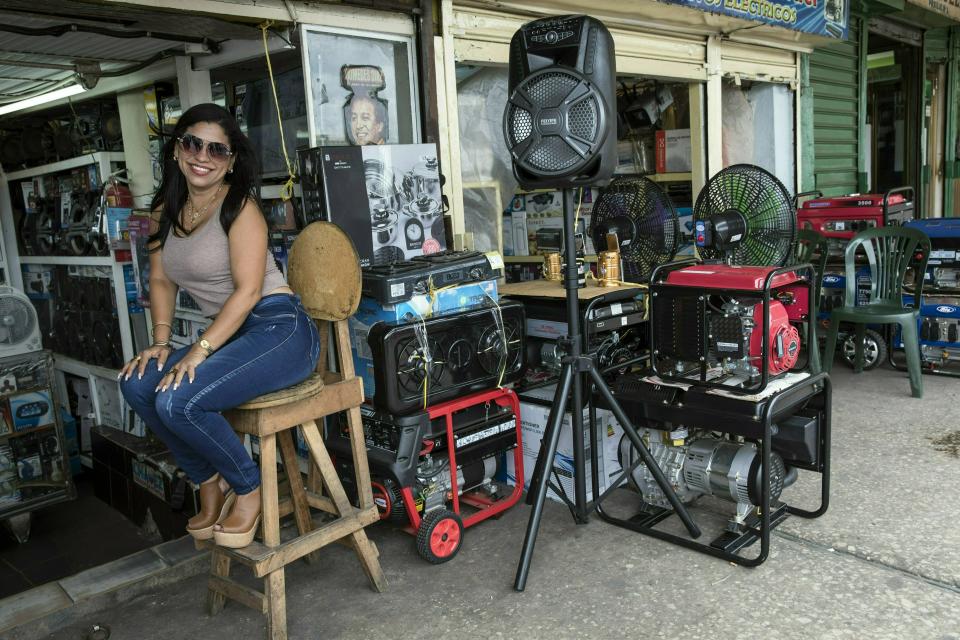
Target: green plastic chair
{"points": [[890, 251], [811, 248]]}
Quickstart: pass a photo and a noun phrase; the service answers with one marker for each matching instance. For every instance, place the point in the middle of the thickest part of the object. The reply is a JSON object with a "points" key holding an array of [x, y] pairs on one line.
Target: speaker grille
{"points": [[521, 124], [550, 89], [553, 154], [583, 119]]}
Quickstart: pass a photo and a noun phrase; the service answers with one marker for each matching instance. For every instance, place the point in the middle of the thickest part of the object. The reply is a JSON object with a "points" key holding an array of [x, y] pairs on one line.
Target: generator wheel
{"points": [[874, 349], [439, 536]]}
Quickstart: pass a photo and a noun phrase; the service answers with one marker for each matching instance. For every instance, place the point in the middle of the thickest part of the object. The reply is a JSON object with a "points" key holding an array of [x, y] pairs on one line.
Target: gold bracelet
{"points": [[161, 323]]}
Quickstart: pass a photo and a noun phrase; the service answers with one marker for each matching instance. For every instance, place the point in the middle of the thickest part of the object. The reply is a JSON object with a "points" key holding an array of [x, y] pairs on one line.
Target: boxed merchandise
{"points": [[387, 198], [29, 410], [521, 238], [444, 301], [6, 422], [673, 151], [534, 411]]}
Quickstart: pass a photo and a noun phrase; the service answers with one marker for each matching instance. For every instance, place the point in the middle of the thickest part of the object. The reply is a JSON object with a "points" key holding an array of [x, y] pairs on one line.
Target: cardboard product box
{"points": [[507, 234], [6, 422], [673, 151], [387, 198], [685, 218], [521, 237], [30, 410], [370, 312], [534, 411]]}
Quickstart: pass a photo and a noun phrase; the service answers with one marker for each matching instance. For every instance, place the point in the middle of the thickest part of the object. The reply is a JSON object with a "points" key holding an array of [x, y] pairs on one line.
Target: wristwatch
{"points": [[206, 346]]}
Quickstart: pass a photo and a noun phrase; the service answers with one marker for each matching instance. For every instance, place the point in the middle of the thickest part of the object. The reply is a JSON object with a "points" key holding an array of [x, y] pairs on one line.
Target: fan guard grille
{"points": [[645, 220], [765, 205], [17, 320]]}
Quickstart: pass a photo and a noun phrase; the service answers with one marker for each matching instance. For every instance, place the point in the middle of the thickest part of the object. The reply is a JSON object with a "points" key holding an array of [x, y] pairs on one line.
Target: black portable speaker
{"points": [[559, 122]]}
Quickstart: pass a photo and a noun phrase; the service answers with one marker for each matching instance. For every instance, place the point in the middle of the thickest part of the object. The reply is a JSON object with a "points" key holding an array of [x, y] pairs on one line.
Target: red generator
{"points": [[840, 218], [433, 472], [731, 327]]}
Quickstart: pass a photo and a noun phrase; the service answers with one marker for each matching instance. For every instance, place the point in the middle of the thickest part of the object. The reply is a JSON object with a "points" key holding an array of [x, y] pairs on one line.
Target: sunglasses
{"points": [[192, 145]]}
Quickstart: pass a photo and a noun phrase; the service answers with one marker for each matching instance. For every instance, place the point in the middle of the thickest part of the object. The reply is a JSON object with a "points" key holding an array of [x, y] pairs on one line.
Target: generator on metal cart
{"points": [[427, 467], [840, 218], [726, 413], [939, 322]]}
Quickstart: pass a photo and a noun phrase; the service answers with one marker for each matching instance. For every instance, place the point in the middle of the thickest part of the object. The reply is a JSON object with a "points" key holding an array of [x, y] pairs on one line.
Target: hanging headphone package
{"points": [[387, 198]]}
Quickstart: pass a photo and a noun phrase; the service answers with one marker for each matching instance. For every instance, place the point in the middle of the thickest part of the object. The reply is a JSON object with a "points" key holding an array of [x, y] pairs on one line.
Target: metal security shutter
{"points": [[835, 75]]}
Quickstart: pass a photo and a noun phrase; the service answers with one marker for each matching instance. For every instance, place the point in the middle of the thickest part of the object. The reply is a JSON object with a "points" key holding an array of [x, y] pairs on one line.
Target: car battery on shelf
{"points": [[840, 218]]}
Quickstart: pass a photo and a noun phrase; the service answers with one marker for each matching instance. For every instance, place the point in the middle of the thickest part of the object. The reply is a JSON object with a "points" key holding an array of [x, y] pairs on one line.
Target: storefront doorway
{"points": [[893, 73]]}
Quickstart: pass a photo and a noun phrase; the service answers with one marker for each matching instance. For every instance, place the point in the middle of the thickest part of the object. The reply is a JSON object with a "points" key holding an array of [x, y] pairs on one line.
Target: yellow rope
{"points": [[286, 191]]}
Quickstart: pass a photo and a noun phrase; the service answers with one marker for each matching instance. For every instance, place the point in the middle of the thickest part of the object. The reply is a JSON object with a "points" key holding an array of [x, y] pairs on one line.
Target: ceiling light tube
{"points": [[43, 98]]}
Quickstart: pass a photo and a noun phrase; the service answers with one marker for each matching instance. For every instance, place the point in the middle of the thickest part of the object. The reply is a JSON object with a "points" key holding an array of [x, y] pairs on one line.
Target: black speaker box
{"points": [[560, 120], [446, 356]]}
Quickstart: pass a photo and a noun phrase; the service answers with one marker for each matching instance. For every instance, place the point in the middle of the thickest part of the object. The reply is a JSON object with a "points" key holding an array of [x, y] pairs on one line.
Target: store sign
{"points": [[821, 17], [948, 8]]}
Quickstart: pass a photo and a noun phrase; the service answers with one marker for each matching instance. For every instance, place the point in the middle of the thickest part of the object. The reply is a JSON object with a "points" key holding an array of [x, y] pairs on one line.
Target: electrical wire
{"points": [[286, 191]]}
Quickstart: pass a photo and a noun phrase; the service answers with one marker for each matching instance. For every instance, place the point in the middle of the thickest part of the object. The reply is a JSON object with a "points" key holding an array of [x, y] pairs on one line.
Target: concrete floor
{"points": [[884, 562]]}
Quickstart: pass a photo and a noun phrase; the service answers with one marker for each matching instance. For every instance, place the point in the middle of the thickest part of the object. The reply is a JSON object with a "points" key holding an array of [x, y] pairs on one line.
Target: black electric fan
{"points": [[744, 216], [638, 212]]}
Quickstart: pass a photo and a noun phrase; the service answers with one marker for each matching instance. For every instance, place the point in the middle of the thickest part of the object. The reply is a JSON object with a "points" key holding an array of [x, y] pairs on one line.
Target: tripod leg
{"points": [[539, 484], [648, 460], [541, 469]]}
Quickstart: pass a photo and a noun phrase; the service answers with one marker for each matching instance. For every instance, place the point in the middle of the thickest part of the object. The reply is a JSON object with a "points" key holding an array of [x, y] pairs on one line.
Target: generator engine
{"points": [[736, 338], [699, 464], [432, 488], [729, 326]]}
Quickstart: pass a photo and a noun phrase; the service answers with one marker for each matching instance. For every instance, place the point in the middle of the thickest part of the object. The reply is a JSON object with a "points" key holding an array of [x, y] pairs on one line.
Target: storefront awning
{"points": [[687, 16]]}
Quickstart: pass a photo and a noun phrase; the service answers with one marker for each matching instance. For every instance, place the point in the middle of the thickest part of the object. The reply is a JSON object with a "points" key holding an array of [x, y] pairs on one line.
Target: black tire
{"points": [[440, 536], [874, 349]]}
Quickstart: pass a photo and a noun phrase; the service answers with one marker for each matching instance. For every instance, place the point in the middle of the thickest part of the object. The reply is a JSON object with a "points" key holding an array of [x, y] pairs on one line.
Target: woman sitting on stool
{"points": [[209, 236]]}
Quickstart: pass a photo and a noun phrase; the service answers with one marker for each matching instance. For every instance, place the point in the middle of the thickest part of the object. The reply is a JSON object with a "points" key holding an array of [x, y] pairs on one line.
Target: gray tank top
{"points": [[200, 264]]}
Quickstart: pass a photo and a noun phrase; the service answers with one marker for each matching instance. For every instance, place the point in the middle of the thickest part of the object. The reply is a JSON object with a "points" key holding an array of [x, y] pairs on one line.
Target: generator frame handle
{"points": [[817, 390], [764, 294], [816, 193], [886, 199]]}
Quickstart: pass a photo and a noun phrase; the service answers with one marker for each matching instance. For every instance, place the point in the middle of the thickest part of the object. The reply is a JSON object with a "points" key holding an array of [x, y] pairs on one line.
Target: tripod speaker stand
{"points": [[557, 125], [576, 367]]}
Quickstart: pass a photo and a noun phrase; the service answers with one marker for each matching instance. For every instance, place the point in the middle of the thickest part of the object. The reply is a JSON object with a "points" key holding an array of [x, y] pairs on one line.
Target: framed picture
{"points": [[361, 87]]}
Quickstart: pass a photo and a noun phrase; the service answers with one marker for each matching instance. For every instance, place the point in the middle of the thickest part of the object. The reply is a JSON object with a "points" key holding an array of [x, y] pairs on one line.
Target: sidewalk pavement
{"points": [[883, 562]]}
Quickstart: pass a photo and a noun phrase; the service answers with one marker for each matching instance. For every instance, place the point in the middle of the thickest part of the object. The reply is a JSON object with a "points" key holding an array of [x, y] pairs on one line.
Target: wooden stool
{"points": [[325, 272]]}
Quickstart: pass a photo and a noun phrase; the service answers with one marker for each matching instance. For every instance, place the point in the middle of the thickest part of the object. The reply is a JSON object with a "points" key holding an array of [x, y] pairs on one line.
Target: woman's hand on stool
{"points": [[139, 362], [186, 367]]}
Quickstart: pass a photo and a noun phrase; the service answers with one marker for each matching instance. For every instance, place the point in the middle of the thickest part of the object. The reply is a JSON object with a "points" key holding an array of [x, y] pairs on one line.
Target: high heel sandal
{"points": [[241, 525], [215, 504]]}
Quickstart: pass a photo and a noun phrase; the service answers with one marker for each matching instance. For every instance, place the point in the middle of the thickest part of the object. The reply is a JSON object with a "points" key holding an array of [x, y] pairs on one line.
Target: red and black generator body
{"points": [[840, 218], [725, 326], [426, 466]]}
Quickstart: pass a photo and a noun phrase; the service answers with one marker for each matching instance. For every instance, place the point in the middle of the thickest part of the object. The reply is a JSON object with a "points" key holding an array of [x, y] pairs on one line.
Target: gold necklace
{"points": [[196, 214]]}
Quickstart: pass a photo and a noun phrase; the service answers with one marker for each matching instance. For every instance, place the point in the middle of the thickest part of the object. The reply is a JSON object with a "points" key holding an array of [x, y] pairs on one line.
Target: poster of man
{"points": [[368, 121], [365, 113], [361, 87]]}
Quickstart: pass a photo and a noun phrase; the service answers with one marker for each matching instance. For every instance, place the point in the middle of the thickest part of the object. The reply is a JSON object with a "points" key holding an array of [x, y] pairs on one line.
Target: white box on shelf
{"points": [[521, 246], [673, 151], [534, 411]]}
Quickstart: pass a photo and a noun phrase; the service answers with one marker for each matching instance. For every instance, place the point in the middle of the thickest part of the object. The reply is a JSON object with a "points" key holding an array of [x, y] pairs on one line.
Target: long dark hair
{"points": [[243, 181]]}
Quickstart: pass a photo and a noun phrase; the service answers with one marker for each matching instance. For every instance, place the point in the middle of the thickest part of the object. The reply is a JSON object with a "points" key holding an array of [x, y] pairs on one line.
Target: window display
{"points": [[362, 87]]}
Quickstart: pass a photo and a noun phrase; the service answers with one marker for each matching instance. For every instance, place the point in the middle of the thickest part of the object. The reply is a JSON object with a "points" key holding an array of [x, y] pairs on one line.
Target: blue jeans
{"points": [[277, 346]]}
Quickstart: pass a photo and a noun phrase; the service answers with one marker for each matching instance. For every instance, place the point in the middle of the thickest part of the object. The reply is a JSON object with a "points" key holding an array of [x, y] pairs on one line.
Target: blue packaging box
{"points": [[444, 301], [29, 410]]}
